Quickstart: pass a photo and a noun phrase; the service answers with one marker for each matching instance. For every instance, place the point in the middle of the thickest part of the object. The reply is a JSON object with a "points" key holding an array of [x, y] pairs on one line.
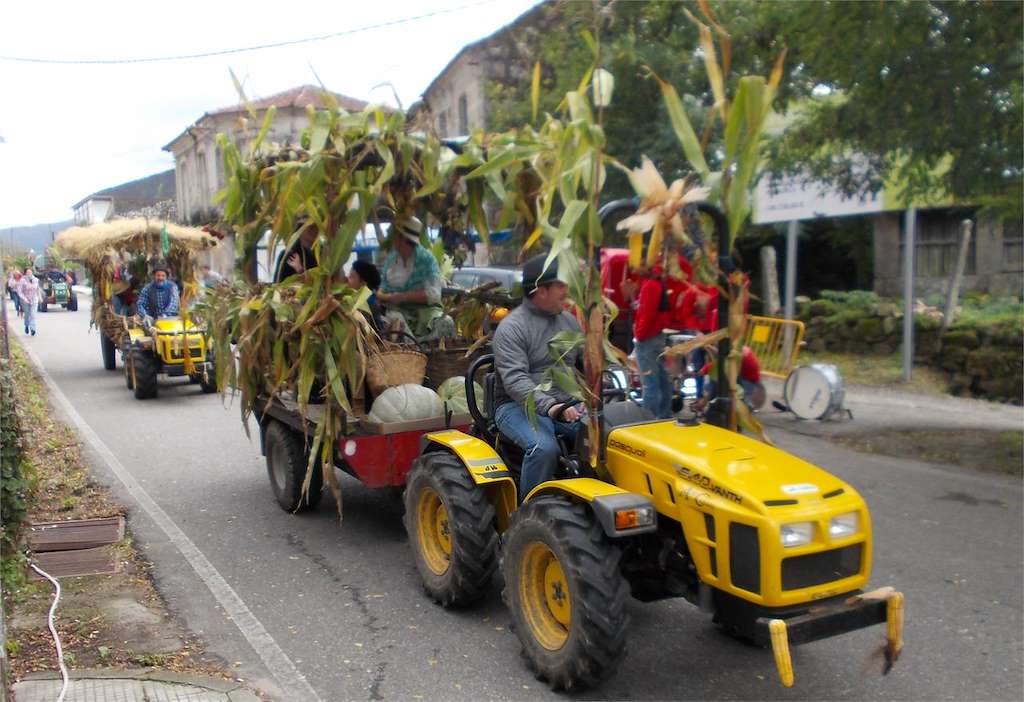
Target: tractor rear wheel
{"points": [[126, 362], [566, 593], [109, 351], [286, 467], [450, 524], [208, 377], [145, 368]]}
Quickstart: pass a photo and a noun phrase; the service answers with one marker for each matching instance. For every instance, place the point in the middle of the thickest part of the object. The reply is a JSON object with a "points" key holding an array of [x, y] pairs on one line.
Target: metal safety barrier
{"points": [[776, 342]]}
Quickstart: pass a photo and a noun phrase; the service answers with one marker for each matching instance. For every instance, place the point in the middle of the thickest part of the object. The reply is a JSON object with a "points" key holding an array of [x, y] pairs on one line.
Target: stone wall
{"points": [[981, 359]]}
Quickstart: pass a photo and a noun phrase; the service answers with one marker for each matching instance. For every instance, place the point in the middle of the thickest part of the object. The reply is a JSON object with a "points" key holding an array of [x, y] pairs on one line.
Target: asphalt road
{"points": [[344, 605]]}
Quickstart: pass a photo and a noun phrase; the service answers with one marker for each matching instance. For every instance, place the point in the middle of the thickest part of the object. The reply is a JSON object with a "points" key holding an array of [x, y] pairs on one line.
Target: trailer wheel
{"points": [[566, 593], [145, 374], [108, 350], [450, 524], [286, 467]]}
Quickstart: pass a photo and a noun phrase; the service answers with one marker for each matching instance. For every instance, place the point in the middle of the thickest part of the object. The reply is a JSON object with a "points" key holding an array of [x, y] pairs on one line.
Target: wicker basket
{"points": [[445, 363], [394, 367]]}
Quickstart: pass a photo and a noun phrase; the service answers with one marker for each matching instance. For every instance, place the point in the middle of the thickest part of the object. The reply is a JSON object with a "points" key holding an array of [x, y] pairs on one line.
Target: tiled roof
{"points": [[296, 97]]}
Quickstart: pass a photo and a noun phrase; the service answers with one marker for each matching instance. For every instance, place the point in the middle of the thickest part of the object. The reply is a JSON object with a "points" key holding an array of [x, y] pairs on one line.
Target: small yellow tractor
{"points": [[776, 550], [115, 254]]}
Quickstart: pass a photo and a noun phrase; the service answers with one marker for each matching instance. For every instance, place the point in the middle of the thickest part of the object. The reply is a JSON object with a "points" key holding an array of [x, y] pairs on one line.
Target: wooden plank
{"points": [[75, 534], [64, 564]]}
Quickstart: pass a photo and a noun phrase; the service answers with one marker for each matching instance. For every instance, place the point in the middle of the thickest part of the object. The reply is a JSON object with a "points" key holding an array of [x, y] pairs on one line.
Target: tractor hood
{"points": [[725, 463]]}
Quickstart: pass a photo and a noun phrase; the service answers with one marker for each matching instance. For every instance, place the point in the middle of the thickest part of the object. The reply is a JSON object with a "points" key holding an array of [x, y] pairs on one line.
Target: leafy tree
{"points": [[923, 94]]}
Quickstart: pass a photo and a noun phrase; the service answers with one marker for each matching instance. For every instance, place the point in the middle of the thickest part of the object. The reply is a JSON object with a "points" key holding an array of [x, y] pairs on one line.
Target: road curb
{"points": [[232, 690]]}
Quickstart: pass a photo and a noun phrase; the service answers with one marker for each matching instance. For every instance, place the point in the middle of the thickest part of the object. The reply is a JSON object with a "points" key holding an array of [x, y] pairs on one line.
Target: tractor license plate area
{"points": [[826, 621]]}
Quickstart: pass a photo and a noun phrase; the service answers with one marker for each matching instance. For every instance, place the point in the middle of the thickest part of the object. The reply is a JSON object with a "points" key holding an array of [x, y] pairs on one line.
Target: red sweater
{"points": [[649, 321]]}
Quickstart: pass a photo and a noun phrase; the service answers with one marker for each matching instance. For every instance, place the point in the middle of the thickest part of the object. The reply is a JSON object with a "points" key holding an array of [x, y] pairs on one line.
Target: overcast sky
{"points": [[70, 130]]}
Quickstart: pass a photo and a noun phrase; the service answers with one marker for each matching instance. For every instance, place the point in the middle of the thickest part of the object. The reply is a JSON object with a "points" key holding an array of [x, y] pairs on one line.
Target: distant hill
{"points": [[36, 236]]}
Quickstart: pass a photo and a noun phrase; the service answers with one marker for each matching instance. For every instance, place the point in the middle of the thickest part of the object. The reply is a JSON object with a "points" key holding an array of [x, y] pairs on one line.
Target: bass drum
{"points": [[815, 391]]}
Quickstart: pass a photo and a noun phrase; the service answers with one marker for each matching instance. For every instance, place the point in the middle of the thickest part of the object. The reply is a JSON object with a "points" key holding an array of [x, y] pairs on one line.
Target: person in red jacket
{"points": [[649, 322], [749, 379]]}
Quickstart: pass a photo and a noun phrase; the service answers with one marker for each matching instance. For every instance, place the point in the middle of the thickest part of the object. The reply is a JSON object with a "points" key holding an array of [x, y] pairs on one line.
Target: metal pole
{"points": [[792, 231], [909, 223]]}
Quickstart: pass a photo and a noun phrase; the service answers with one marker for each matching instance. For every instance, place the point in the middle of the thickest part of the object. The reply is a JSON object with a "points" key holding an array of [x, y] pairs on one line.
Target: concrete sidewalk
{"points": [[142, 685], [892, 409]]}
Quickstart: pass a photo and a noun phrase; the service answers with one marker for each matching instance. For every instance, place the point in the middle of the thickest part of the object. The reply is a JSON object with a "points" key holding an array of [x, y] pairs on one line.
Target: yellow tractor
{"points": [[161, 350], [776, 550], [115, 253]]}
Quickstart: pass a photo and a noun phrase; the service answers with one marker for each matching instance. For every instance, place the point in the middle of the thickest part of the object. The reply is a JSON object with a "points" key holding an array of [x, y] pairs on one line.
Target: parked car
{"points": [[470, 277]]}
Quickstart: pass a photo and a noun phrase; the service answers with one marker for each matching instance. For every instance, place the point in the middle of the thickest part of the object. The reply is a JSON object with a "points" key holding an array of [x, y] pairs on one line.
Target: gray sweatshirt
{"points": [[521, 355]]}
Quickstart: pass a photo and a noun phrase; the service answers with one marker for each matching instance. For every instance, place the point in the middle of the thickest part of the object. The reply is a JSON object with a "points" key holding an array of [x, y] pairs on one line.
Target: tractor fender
{"points": [[482, 463], [603, 499]]}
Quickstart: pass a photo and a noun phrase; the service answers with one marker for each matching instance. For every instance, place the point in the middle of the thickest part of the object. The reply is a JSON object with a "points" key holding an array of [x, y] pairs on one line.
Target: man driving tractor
{"points": [[159, 298], [521, 356]]}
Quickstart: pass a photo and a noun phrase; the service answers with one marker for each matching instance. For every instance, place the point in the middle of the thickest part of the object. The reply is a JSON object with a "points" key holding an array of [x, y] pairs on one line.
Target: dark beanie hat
{"points": [[534, 274], [368, 272]]}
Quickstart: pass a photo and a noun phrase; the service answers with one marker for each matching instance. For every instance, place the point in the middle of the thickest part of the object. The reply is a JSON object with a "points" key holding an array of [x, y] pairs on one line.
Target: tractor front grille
{"points": [[744, 557], [822, 567]]}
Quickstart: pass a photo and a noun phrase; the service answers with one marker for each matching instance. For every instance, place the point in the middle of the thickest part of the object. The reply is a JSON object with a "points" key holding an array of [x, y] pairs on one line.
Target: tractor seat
{"points": [[617, 414]]}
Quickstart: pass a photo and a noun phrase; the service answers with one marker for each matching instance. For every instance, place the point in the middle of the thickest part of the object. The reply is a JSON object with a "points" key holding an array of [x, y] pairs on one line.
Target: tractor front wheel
{"points": [[566, 593], [108, 350], [144, 365], [451, 530], [286, 467], [72, 303]]}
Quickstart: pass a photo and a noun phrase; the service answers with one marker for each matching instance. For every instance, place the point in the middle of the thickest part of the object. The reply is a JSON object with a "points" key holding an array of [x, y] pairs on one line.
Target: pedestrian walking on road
{"points": [[28, 291], [12, 289]]}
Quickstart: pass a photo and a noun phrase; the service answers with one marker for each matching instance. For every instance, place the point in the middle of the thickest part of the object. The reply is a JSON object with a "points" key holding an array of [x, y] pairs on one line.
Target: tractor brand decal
{"points": [[638, 452], [798, 488], [699, 497], [705, 482]]}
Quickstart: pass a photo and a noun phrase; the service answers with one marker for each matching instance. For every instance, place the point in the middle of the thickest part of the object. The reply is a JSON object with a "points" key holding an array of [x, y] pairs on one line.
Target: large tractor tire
{"points": [[109, 352], [566, 593], [208, 379], [73, 303], [286, 467], [126, 363], [145, 368], [450, 524]]}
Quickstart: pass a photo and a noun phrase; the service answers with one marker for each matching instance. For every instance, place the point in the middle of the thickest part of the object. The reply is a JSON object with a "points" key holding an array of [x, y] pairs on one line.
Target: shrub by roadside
{"points": [[981, 354]]}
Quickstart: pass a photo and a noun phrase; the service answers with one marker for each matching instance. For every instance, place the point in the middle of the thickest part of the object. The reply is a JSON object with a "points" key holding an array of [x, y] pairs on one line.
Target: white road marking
{"points": [[292, 682]]}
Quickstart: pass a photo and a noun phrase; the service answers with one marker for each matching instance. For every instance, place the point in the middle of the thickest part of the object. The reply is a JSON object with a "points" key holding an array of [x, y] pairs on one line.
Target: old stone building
{"points": [[995, 255], [456, 100], [198, 165]]}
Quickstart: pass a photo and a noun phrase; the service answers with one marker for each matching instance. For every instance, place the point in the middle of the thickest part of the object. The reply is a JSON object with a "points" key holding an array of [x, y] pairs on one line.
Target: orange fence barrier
{"points": [[776, 342]]}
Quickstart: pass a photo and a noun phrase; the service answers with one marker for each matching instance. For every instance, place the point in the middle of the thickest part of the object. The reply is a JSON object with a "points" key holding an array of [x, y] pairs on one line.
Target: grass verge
{"points": [[104, 621], [880, 371]]}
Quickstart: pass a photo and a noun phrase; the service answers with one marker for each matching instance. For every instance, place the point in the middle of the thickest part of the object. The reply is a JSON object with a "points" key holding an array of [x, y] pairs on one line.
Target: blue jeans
{"points": [[539, 444], [657, 385]]}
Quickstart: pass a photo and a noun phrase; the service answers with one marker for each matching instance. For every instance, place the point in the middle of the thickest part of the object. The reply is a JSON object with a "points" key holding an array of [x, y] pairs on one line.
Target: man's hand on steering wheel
{"points": [[565, 412]]}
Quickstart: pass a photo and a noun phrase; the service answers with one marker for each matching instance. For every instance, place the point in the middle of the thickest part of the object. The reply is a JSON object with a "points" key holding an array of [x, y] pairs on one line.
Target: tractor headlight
{"points": [[797, 534], [844, 525]]}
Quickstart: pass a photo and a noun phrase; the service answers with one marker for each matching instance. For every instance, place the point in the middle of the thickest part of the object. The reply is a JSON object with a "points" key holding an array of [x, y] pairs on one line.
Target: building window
{"points": [[203, 180], [442, 124], [937, 243], [1013, 245], [463, 116]]}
